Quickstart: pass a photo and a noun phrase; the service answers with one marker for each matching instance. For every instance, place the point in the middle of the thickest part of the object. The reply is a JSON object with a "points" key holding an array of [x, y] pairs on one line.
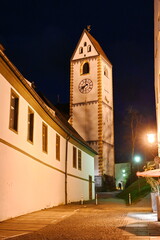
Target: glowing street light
{"points": [[151, 138], [137, 158]]}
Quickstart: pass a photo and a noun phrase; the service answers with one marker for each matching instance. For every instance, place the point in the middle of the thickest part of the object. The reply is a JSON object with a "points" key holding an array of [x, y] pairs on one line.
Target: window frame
{"points": [[89, 48], [13, 125], [80, 50], [44, 138], [82, 68], [58, 147], [30, 126], [79, 159], [74, 162]]}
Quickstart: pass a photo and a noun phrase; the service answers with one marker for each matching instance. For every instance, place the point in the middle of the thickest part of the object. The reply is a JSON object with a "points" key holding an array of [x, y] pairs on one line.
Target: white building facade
{"points": [[157, 65], [91, 100], [43, 160]]}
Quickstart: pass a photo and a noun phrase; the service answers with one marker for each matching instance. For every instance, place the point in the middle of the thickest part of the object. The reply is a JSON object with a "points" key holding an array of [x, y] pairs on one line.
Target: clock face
{"points": [[85, 86]]}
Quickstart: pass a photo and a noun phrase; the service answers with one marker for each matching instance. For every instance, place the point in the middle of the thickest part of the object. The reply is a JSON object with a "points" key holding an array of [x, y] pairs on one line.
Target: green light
{"points": [[137, 159]]}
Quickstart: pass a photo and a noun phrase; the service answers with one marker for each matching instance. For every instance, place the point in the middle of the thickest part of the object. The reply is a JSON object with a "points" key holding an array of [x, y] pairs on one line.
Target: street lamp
{"points": [[137, 159], [151, 138]]}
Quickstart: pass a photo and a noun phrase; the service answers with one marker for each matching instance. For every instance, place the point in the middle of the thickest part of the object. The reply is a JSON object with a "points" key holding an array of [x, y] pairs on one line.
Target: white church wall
{"points": [[107, 91], [31, 179], [94, 122], [108, 156], [107, 124], [26, 184], [20, 138], [85, 121], [93, 52], [75, 193], [79, 97]]}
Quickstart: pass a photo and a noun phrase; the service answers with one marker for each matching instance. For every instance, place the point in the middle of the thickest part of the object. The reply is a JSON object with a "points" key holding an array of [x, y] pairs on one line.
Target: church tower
{"points": [[91, 100]]}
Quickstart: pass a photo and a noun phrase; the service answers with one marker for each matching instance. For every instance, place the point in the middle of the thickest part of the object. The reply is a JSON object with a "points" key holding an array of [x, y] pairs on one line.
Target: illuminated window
{"points": [[85, 68], [30, 125], [79, 160], [57, 147], [74, 157], [89, 48], [80, 50], [44, 137], [13, 121]]}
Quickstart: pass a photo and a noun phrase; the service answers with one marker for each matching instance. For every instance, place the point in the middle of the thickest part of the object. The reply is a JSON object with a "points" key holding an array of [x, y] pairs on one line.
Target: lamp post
{"points": [[137, 159]]}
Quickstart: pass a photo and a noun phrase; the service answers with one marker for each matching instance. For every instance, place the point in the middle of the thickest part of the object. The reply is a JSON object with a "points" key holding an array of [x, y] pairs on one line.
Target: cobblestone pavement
{"points": [[110, 220]]}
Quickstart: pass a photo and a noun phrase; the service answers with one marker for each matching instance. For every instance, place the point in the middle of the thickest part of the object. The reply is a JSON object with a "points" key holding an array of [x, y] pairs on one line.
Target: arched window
{"points": [[85, 68], [81, 50], [89, 48]]}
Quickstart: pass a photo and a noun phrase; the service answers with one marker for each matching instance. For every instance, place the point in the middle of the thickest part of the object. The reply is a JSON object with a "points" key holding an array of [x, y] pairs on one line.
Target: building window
{"points": [[44, 137], [89, 48], [79, 160], [105, 72], [57, 147], [80, 50], [30, 125], [85, 44], [85, 68], [74, 157], [13, 121]]}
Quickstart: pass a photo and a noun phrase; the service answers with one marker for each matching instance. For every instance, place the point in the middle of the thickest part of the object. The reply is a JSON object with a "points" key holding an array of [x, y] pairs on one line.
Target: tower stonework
{"points": [[91, 100]]}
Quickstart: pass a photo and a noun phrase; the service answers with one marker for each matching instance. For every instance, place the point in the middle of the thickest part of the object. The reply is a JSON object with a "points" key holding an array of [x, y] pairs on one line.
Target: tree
{"points": [[133, 122]]}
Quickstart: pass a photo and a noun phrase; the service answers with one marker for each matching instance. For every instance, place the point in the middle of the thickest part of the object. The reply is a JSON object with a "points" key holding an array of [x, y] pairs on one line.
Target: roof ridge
{"points": [[97, 45]]}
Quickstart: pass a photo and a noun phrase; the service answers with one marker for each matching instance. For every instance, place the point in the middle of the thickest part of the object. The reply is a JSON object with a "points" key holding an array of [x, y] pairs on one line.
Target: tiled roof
{"points": [[96, 45]]}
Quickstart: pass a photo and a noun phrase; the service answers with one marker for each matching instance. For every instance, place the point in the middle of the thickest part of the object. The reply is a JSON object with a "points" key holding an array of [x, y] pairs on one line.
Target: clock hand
{"points": [[84, 86]]}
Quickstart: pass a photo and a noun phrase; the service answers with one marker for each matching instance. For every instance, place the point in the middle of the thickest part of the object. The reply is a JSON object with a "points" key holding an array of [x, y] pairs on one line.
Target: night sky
{"points": [[40, 37]]}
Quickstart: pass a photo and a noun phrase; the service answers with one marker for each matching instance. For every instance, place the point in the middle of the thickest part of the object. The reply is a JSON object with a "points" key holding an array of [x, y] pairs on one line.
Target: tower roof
{"points": [[95, 44]]}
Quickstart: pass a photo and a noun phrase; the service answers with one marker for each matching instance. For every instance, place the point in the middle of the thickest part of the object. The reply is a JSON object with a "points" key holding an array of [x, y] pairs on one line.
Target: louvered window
{"points": [[79, 160], [13, 122], [74, 157], [57, 147], [44, 137], [30, 124], [85, 68]]}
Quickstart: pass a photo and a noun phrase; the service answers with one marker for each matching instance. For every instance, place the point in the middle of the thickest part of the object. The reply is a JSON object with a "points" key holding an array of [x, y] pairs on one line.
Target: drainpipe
{"points": [[66, 165]]}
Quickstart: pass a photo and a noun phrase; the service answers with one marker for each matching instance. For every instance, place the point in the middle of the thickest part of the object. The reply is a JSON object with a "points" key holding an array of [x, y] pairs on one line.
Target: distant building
{"points": [[157, 65], [44, 162], [122, 173], [91, 101]]}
